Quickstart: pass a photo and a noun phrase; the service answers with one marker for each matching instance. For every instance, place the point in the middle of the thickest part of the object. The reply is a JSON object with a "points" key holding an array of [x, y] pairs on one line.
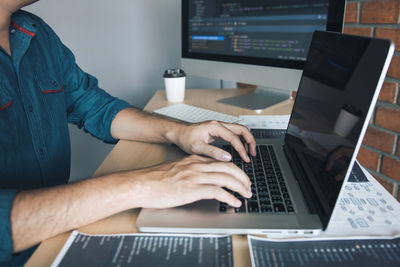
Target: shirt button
{"points": [[30, 108], [13, 30], [41, 151]]}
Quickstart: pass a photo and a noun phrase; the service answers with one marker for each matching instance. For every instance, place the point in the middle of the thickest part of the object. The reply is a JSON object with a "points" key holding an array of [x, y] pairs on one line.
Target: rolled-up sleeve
{"points": [[91, 107], [88, 106], [6, 244]]}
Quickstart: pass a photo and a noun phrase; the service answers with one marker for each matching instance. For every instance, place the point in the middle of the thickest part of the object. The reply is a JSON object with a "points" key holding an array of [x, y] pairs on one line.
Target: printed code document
{"points": [[327, 252], [146, 250]]}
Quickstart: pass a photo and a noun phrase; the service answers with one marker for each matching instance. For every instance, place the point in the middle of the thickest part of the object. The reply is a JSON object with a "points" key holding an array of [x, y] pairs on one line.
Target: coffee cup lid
{"points": [[174, 73]]}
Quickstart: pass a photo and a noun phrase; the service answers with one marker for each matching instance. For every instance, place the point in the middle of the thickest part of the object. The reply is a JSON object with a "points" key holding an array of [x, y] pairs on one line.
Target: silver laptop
{"points": [[296, 180]]}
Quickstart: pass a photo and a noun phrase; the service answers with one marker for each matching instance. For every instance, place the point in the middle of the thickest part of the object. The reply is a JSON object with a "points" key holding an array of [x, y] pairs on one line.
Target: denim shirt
{"points": [[41, 90]]}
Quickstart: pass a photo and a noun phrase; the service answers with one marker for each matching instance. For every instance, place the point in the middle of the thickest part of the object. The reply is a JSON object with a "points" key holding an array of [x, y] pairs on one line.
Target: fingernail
{"points": [[238, 203], [249, 193], [226, 157]]}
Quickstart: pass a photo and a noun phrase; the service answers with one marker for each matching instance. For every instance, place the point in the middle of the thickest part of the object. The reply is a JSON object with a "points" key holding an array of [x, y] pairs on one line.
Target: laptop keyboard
{"points": [[270, 193]]}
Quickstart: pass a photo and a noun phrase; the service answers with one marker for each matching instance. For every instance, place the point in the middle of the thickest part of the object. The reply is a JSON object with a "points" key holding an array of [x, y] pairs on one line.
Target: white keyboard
{"points": [[194, 114]]}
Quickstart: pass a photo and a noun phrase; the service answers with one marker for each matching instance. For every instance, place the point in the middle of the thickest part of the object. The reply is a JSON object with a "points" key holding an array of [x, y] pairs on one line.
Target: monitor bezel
{"points": [[334, 23]]}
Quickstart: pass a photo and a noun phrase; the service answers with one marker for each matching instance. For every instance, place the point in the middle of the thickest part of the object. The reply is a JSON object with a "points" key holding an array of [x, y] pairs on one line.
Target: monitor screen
{"points": [[275, 32]]}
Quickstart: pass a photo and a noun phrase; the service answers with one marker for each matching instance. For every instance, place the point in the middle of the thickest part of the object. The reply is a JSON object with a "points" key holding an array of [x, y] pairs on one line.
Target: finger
{"points": [[223, 180], [224, 133], [215, 192], [246, 146], [243, 131], [215, 153], [228, 168]]}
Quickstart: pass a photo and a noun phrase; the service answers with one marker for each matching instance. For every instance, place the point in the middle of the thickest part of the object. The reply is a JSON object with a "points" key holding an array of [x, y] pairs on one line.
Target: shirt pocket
{"points": [[5, 99], [53, 95], [8, 120]]}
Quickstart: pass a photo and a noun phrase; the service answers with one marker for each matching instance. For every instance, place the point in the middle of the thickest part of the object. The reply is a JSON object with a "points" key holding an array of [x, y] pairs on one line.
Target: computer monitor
{"points": [[254, 41]]}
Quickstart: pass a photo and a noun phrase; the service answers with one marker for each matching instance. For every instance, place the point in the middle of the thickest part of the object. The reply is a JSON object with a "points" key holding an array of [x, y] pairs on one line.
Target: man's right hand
{"points": [[188, 180]]}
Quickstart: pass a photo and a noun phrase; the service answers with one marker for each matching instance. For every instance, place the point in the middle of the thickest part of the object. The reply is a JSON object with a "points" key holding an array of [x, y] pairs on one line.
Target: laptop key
{"points": [[252, 206], [277, 199], [275, 193], [222, 207], [279, 207], [262, 184], [265, 201], [266, 209], [241, 208], [290, 209]]}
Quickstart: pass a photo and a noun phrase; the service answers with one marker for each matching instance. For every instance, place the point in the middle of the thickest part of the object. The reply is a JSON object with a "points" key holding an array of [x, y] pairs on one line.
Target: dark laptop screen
{"points": [[335, 94]]}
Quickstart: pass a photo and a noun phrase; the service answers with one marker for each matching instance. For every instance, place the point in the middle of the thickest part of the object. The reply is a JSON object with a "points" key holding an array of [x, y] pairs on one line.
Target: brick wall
{"points": [[380, 152]]}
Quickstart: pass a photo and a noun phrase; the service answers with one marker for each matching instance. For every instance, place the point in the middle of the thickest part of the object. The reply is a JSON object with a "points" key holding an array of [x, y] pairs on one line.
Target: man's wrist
{"points": [[173, 133]]}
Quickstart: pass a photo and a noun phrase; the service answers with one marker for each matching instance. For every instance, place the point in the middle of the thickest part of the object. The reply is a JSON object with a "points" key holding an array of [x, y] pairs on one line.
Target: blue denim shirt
{"points": [[41, 90]]}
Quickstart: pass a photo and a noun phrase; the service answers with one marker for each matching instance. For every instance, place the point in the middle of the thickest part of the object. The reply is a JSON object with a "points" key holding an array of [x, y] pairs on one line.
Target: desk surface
{"points": [[130, 155]]}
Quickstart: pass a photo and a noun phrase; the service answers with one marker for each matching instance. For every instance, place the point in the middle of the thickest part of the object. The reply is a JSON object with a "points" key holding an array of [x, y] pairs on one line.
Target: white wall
{"points": [[126, 44]]}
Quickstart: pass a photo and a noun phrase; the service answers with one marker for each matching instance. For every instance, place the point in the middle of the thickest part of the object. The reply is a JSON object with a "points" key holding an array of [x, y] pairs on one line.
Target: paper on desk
{"points": [[265, 122], [326, 251], [146, 250], [365, 209]]}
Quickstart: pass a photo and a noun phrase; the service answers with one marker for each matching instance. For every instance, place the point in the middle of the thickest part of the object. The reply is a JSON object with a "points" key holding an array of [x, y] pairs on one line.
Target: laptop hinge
{"points": [[300, 176]]}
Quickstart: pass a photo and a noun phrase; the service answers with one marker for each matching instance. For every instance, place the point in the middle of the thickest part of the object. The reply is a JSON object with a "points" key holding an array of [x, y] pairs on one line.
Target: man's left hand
{"points": [[196, 139]]}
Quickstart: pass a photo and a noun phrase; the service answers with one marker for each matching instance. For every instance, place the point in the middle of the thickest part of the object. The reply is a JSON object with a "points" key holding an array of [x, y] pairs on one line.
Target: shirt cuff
{"points": [[6, 243], [117, 106]]}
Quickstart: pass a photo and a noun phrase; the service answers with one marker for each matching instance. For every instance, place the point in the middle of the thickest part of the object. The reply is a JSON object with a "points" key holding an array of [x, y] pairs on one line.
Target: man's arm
{"points": [[42, 213], [39, 214], [133, 124]]}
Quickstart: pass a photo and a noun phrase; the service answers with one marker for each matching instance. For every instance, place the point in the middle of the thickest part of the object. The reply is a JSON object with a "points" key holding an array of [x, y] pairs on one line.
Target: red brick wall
{"points": [[380, 152]]}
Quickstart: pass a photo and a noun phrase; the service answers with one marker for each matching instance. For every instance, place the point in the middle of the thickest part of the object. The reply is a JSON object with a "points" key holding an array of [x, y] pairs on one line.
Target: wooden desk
{"points": [[132, 155]]}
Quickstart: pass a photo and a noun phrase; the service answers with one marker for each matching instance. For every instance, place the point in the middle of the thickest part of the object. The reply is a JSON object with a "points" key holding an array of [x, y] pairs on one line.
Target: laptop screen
{"points": [[335, 94]]}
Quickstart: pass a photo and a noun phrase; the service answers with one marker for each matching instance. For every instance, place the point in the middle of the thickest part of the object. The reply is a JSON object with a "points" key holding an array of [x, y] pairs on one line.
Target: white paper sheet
{"points": [[365, 209]]}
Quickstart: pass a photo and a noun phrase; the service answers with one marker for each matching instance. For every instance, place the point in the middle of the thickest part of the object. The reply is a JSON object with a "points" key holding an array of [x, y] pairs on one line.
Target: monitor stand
{"points": [[258, 100]]}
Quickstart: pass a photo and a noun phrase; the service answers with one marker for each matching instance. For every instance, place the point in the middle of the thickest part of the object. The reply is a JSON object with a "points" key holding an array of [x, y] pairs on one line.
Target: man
{"points": [[41, 90]]}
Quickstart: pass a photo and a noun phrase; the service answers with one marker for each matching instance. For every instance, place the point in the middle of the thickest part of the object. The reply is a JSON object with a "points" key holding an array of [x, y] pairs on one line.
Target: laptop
{"points": [[297, 179]]}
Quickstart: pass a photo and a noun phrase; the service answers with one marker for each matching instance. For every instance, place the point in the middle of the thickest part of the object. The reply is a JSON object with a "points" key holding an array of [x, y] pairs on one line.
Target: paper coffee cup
{"points": [[345, 123], [174, 80]]}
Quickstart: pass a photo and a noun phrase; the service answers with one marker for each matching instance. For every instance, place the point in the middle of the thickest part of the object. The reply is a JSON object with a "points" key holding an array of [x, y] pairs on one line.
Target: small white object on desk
{"points": [[194, 114], [174, 80], [265, 122]]}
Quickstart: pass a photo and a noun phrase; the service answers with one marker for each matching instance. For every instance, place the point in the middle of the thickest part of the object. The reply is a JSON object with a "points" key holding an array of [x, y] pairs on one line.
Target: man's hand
{"points": [[196, 139], [133, 124], [188, 180]]}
